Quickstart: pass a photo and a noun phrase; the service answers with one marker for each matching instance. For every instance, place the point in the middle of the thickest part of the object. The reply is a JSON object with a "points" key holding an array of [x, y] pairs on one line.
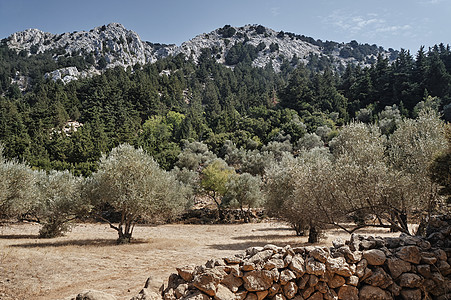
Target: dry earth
{"points": [[88, 258]]}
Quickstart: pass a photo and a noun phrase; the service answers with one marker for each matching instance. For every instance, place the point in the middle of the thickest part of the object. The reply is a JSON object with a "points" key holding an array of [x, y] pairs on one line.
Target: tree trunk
{"points": [[124, 238], [125, 233], [299, 228], [313, 236]]}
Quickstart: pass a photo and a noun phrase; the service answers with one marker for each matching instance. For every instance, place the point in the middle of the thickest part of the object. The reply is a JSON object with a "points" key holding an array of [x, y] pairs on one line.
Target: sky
{"points": [[395, 24]]}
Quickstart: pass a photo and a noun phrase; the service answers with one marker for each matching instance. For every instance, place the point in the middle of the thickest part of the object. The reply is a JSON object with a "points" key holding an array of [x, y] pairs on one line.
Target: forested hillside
{"points": [[161, 105]]}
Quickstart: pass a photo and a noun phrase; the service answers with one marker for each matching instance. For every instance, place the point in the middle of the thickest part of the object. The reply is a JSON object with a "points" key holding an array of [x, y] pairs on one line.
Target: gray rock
{"points": [[411, 294], [397, 266], [379, 278], [258, 280], [348, 292], [410, 280], [409, 253], [336, 282], [297, 265], [94, 295], [232, 282], [290, 290], [208, 281], [223, 293], [374, 257], [368, 292], [339, 266]]}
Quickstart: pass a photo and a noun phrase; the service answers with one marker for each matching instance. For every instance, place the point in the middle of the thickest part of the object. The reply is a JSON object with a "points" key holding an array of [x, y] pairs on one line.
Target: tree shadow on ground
{"points": [[245, 245], [275, 229], [18, 236], [86, 243], [280, 240], [265, 237]]}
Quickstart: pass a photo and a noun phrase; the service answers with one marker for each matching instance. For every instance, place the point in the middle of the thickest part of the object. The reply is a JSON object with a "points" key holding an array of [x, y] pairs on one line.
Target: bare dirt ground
{"points": [[88, 258]]}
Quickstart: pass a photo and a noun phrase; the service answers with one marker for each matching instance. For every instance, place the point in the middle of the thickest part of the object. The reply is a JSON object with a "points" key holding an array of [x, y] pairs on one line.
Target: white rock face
{"points": [[118, 46]]}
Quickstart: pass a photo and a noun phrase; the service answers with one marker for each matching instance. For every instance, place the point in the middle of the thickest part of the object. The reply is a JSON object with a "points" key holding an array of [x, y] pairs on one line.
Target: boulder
{"points": [[297, 265], [320, 253], [361, 267], [223, 293], [368, 292], [286, 276], [374, 257], [410, 280], [379, 278], [339, 266], [352, 280], [336, 282], [348, 292], [316, 296], [274, 263], [397, 266], [411, 294], [258, 280], [94, 295], [208, 281], [232, 282], [186, 272], [290, 290], [410, 254], [315, 267]]}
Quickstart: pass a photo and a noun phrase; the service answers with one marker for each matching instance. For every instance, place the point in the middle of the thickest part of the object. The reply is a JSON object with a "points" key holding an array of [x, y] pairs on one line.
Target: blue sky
{"points": [[392, 24]]}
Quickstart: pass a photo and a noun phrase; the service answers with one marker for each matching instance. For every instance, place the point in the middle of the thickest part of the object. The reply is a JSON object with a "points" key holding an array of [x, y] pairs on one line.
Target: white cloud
{"points": [[369, 24], [275, 11], [394, 28], [430, 2]]}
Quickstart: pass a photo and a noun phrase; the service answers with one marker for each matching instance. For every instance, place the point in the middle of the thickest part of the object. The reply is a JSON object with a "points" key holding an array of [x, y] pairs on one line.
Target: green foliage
{"points": [[132, 184], [17, 188], [440, 169], [214, 179], [241, 52], [243, 190], [60, 201], [227, 31]]}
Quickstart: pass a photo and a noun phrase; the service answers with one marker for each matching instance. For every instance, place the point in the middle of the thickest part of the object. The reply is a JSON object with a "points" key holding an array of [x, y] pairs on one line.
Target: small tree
{"points": [[214, 178], [411, 150], [17, 188], [60, 202], [132, 184], [296, 189], [440, 169], [243, 191]]}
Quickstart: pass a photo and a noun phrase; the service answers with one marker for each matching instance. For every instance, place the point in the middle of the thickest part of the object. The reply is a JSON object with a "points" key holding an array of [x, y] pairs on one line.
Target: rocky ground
{"points": [[87, 257]]}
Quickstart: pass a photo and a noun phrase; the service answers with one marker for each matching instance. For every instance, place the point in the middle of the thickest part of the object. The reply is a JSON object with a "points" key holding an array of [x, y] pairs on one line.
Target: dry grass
{"points": [[88, 258]]}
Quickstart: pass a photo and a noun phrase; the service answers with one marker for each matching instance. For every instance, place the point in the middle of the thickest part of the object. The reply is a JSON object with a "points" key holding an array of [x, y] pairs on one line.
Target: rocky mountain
{"points": [[113, 45]]}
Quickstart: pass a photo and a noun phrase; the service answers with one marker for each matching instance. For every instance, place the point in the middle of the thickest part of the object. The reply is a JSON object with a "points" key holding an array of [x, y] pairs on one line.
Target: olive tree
{"points": [[60, 202], [295, 190], [133, 185], [213, 180], [17, 188], [440, 169], [244, 191], [411, 150], [194, 156], [365, 188], [311, 198]]}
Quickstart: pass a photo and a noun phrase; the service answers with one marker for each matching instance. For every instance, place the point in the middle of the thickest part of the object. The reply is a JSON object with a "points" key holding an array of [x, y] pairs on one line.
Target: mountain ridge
{"points": [[113, 45]]}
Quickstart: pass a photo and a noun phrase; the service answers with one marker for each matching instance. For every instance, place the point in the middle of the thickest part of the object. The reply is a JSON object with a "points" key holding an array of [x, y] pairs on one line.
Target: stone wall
{"points": [[402, 267]]}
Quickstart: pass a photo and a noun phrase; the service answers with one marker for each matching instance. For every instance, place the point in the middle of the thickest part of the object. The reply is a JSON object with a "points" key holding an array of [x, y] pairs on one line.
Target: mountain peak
{"points": [[113, 45]]}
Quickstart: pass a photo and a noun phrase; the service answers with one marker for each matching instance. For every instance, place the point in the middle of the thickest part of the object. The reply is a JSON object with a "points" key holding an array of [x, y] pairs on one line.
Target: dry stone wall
{"points": [[364, 268]]}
